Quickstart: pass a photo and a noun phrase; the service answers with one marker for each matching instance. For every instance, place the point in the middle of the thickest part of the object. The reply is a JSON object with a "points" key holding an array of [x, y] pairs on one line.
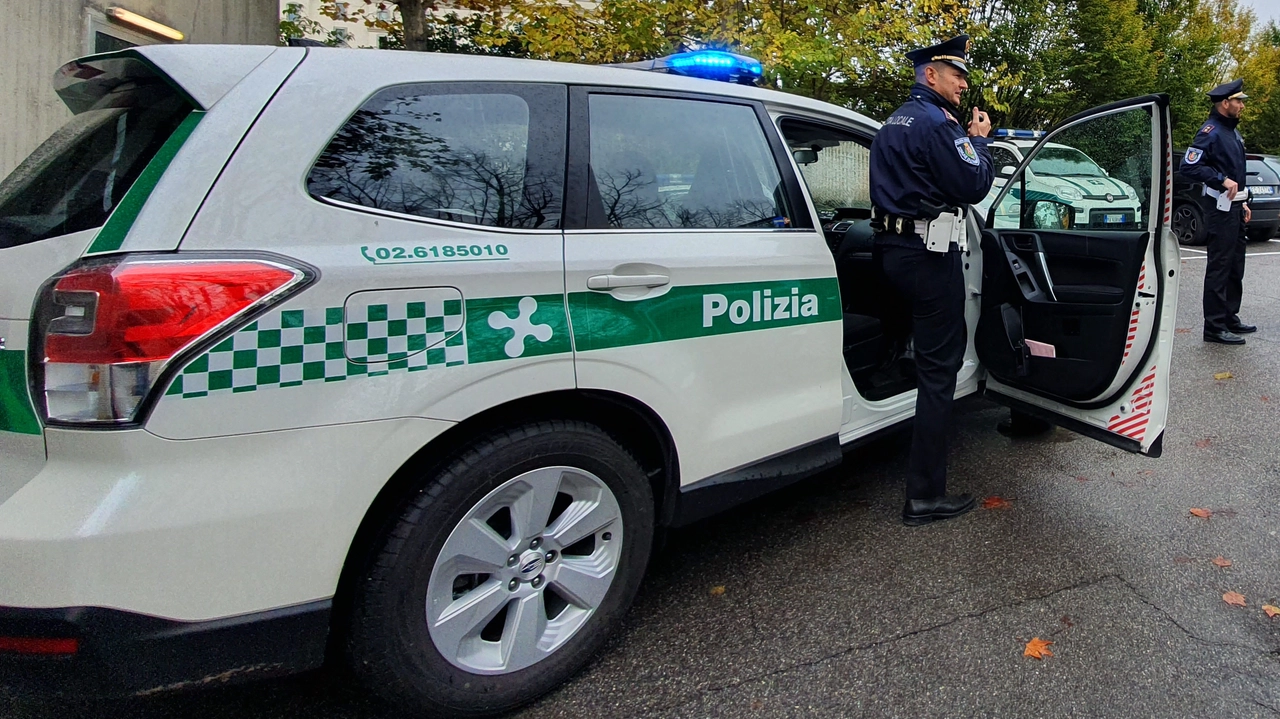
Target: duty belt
{"points": [[896, 224]]}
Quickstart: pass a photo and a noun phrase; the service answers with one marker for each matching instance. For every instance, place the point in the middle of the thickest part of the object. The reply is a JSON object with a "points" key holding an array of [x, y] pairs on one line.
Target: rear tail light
{"points": [[111, 327]]}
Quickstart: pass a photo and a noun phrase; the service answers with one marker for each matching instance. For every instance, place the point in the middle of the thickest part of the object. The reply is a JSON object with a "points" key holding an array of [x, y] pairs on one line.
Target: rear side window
{"points": [[482, 154], [76, 178], [665, 162], [1260, 173]]}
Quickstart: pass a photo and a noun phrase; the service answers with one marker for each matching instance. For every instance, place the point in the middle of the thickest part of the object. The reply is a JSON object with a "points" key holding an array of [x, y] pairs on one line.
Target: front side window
{"points": [[672, 163], [483, 155], [835, 165], [1003, 158], [1095, 175]]}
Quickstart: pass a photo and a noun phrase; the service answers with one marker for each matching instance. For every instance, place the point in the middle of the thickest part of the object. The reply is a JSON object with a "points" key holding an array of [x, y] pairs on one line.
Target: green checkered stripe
{"points": [[295, 347], [389, 333]]}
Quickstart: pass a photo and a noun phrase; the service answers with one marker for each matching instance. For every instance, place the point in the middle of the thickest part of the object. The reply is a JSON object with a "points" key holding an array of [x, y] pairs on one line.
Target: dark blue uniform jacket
{"points": [[923, 153], [1216, 154]]}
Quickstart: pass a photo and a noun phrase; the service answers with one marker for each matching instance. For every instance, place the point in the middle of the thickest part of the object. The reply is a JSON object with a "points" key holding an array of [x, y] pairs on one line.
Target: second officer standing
{"points": [[926, 168]]}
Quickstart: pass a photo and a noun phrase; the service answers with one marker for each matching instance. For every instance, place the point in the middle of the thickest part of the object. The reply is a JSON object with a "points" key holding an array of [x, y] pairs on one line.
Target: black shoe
{"points": [[1225, 337], [1242, 328], [1020, 425], [923, 511]]}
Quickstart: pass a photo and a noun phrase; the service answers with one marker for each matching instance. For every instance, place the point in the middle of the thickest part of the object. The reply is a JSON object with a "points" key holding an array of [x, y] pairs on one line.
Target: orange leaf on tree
{"points": [[1235, 599], [1222, 561], [1270, 610], [1037, 648], [996, 503], [1202, 513]]}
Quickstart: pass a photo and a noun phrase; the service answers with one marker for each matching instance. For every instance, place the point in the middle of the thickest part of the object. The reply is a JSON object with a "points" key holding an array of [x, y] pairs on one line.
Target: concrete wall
{"points": [[41, 35]]}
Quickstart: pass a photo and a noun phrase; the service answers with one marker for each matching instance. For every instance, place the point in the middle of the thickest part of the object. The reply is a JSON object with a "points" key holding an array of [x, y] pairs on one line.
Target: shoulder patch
{"points": [[1207, 129], [967, 153], [950, 117], [1193, 155]]}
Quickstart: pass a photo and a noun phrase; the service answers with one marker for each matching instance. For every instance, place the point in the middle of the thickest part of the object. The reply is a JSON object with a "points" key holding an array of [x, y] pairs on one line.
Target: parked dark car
{"points": [[1189, 203]]}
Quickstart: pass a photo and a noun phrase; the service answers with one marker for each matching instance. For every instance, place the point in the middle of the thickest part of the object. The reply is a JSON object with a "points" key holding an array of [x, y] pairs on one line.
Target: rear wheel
{"points": [[505, 573], [1259, 235], [1188, 225]]}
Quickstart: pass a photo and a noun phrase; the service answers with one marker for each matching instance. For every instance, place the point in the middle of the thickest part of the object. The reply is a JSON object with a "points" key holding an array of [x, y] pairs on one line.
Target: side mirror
{"points": [[1047, 215], [1007, 171], [805, 157]]}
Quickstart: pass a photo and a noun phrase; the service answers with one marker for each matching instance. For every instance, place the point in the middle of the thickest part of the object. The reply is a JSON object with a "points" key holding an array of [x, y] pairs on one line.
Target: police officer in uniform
{"points": [[926, 167], [1216, 158]]}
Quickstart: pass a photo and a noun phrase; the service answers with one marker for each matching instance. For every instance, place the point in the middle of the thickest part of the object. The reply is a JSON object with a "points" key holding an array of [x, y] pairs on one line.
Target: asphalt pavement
{"points": [[817, 602]]}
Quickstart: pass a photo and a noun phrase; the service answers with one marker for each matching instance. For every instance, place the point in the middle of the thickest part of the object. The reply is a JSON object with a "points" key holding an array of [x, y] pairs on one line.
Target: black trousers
{"points": [[1224, 274], [932, 283]]}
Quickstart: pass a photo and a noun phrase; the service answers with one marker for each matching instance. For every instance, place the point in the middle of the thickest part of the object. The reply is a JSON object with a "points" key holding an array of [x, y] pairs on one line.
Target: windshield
{"points": [[1065, 162], [76, 178]]}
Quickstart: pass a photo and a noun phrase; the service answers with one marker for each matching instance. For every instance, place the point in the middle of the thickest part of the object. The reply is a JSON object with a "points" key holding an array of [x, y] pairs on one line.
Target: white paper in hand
{"points": [[1224, 201]]}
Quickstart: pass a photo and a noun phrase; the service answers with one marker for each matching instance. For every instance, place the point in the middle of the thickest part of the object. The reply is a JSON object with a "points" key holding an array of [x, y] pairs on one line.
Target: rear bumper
{"points": [[122, 653], [1265, 216]]}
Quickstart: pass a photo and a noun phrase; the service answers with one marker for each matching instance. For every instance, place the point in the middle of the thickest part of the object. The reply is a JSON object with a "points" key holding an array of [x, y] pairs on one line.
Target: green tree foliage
{"points": [[1034, 62]]}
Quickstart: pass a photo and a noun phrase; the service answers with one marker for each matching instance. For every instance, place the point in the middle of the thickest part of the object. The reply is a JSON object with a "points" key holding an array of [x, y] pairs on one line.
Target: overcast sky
{"points": [[1266, 9]]}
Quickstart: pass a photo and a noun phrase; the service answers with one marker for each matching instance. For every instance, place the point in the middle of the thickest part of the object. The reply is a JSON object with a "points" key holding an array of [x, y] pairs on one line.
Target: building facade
{"points": [[353, 34], [43, 35]]}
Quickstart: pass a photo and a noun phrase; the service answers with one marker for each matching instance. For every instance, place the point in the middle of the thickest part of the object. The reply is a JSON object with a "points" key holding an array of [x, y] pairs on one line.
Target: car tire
{"points": [[1188, 226], [436, 636]]}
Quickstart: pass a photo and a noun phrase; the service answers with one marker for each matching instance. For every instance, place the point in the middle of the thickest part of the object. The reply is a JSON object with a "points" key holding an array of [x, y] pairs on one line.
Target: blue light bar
{"points": [[1020, 134], [706, 64]]}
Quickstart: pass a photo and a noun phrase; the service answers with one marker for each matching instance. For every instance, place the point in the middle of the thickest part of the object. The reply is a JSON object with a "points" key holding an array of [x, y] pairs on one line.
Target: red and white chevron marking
{"points": [[1168, 181], [1134, 424], [1133, 317]]}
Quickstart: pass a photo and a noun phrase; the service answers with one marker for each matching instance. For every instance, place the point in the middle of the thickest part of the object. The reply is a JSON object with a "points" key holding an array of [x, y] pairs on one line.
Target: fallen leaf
{"points": [[1202, 513], [1266, 398], [1037, 648], [1184, 330], [1223, 375], [996, 503], [1203, 443], [1066, 619], [1222, 561], [1270, 610], [1081, 478], [1235, 599], [1147, 472], [717, 591]]}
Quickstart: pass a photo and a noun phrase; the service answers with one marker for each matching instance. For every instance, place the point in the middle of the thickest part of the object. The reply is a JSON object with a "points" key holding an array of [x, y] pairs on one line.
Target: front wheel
{"points": [[505, 573]]}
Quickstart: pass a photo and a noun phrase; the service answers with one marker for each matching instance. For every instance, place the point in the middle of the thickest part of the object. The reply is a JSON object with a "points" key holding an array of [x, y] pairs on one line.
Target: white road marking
{"points": [[1248, 255]]}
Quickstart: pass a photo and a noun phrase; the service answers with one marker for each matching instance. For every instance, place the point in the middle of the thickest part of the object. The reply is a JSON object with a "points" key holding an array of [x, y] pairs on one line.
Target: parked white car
{"points": [[1068, 175], [410, 356]]}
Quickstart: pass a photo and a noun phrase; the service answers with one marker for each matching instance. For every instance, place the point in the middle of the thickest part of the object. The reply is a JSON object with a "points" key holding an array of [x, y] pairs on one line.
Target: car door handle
{"points": [[613, 282]]}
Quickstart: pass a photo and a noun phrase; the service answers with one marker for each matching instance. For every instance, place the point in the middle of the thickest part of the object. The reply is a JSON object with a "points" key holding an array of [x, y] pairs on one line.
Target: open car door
{"points": [[1080, 277]]}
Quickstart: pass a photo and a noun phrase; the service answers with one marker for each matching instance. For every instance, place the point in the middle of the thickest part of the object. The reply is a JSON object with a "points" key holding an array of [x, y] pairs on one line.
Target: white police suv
{"points": [[1099, 198], [404, 359]]}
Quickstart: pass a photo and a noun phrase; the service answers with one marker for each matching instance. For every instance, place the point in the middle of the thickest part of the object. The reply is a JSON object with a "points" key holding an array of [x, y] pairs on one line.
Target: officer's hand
{"points": [[980, 126], [1248, 214], [1230, 187]]}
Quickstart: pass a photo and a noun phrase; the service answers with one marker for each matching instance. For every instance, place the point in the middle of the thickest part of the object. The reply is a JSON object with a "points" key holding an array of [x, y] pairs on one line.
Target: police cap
{"points": [[1228, 91], [954, 52]]}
